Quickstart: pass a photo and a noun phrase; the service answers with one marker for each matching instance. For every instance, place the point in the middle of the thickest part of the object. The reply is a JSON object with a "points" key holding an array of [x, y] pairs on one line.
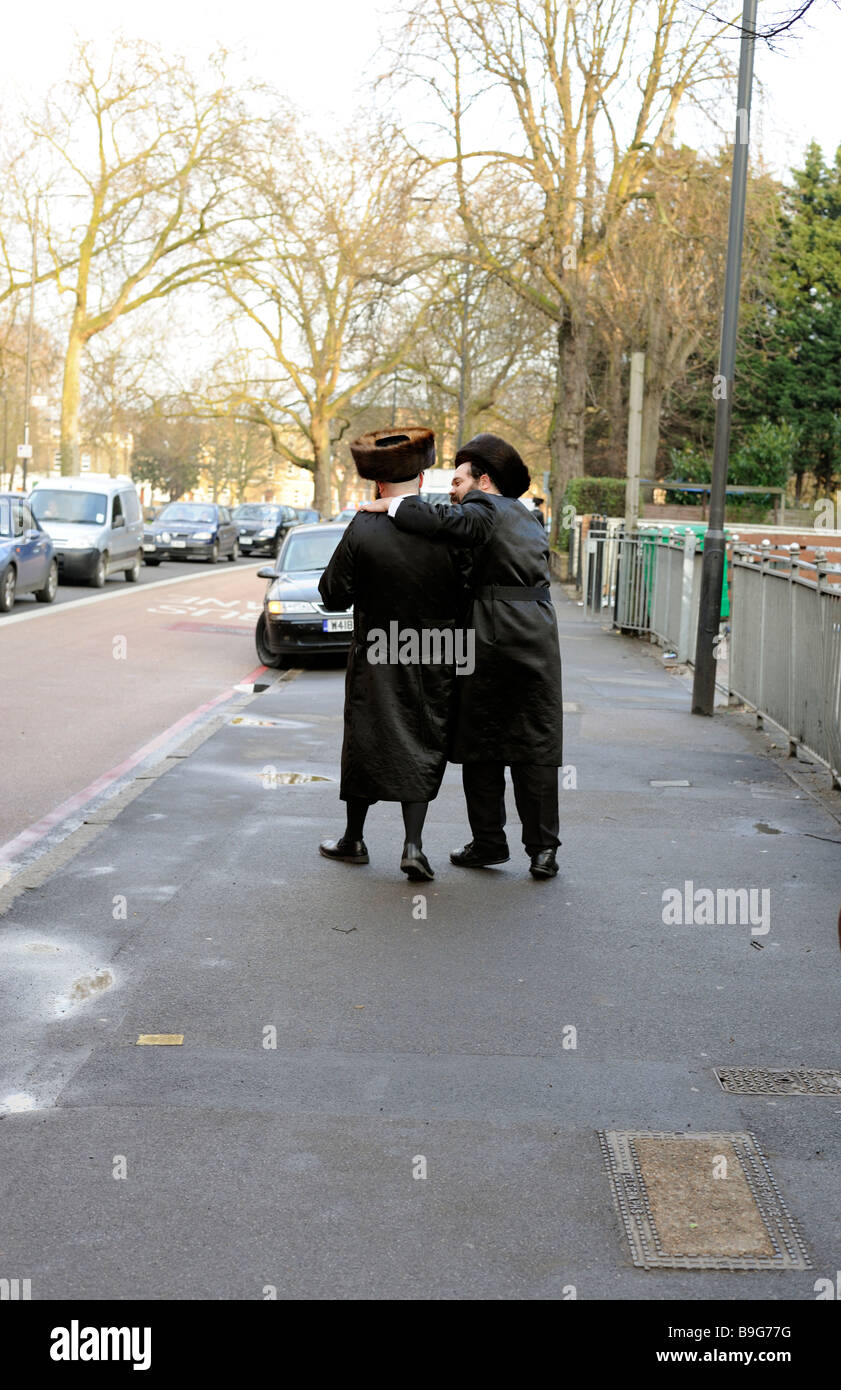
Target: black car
{"points": [[294, 622], [191, 531], [263, 526]]}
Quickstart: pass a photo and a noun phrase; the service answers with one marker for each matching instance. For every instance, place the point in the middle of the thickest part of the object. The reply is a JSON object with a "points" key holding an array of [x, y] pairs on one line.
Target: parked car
{"points": [[294, 622], [346, 514], [263, 526], [95, 525], [307, 514], [27, 562], [191, 531]]}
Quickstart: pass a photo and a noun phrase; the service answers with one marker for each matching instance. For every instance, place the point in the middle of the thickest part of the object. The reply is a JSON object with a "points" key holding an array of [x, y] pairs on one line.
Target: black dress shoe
{"points": [[544, 864], [348, 851], [415, 864], [473, 857]]}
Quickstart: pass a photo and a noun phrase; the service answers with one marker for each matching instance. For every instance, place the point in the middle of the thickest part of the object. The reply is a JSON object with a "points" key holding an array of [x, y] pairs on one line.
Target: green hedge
{"points": [[605, 496]]}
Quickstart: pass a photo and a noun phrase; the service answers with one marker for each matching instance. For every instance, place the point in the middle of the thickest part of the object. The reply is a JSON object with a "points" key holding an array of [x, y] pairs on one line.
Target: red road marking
{"points": [[42, 827]]}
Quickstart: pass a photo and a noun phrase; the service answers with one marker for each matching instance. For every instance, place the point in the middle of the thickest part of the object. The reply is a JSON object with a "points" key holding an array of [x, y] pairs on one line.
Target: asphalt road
{"points": [[84, 688], [149, 574]]}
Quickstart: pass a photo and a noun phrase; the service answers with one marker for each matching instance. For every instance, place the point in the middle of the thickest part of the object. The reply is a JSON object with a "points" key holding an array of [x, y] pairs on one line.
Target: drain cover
{"points": [[699, 1201], [762, 1081]]}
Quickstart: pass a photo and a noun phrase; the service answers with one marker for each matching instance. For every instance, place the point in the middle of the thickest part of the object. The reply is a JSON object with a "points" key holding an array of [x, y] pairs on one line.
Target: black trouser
{"points": [[536, 795]]}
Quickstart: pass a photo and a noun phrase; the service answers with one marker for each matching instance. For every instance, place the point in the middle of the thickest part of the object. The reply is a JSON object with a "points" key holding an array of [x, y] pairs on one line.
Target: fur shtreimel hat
{"points": [[393, 456], [499, 460]]}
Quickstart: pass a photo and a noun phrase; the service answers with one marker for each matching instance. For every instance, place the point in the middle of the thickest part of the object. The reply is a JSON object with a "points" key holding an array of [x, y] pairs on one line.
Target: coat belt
{"points": [[513, 593]]}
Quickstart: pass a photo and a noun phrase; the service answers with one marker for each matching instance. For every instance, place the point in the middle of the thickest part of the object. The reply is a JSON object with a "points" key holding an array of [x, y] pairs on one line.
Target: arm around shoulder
{"points": [[468, 523]]}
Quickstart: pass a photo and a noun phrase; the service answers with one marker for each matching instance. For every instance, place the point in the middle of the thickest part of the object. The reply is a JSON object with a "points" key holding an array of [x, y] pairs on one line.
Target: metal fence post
{"points": [[688, 578], [794, 548], [763, 570]]}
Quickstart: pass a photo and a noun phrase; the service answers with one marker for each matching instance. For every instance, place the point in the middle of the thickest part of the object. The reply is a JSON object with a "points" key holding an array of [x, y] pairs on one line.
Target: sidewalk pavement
{"points": [[401, 1036]]}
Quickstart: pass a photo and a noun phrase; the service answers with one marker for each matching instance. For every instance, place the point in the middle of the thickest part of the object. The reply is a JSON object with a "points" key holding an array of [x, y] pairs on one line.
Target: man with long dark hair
{"points": [[510, 710]]}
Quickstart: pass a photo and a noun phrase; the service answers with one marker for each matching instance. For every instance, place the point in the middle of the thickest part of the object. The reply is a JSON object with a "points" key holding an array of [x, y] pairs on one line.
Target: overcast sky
{"points": [[321, 51]]}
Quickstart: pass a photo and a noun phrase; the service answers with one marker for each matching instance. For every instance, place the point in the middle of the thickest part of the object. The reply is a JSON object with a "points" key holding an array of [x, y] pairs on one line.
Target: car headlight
{"points": [[269, 531], [285, 606], [165, 536], [202, 535]]}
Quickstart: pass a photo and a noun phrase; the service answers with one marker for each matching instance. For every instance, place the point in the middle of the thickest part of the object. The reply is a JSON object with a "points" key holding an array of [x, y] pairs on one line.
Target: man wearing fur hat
{"points": [[399, 689], [510, 711]]}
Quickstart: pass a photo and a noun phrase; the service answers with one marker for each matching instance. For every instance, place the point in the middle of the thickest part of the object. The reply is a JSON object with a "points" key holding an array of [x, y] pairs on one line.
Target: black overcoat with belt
{"points": [[398, 716], [511, 709]]}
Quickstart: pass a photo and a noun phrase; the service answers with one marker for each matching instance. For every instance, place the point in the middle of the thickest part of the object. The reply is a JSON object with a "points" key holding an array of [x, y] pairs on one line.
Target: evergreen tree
{"points": [[792, 369]]}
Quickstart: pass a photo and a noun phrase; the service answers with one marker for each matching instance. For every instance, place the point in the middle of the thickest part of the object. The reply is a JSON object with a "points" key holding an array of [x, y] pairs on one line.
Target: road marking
{"points": [[42, 827], [47, 609], [210, 627], [160, 1040]]}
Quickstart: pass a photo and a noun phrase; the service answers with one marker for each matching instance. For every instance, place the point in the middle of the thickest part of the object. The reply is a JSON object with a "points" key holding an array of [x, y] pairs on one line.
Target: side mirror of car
{"points": [[267, 573]]}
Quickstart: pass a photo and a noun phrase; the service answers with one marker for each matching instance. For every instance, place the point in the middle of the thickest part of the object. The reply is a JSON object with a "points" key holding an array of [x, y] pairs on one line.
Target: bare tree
{"points": [[326, 310], [591, 92], [660, 285], [148, 156]]}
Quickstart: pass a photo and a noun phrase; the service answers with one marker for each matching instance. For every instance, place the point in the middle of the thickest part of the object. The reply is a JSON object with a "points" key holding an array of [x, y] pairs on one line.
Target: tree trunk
{"points": [[70, 390], [321, 445], [652, 407], [566, 438]]}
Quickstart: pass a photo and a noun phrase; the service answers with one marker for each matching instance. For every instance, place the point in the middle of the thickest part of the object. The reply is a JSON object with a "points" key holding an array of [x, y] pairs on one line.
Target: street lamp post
{"points": [[712, 573]]}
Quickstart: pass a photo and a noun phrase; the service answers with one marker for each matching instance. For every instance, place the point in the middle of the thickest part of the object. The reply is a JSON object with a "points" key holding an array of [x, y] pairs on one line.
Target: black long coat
{"points": [[511, 709], [398, 717]]}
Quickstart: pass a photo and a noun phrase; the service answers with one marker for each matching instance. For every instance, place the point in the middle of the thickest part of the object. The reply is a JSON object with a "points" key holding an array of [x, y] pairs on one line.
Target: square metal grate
{"points": [[699, 1201], [768, 1081]]}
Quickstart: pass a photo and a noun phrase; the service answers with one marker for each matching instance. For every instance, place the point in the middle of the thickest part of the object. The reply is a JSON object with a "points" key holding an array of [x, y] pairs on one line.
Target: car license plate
{"points": [[179, 545], [338, 624], [245, 540], [147, 546]]}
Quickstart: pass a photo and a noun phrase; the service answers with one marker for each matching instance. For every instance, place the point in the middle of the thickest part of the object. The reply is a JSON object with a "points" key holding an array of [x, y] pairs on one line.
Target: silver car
{"points": [[95, 525]]}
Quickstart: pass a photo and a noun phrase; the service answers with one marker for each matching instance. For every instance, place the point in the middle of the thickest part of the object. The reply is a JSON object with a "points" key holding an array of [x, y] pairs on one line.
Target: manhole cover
{"points": [[763, 1081], [699, 1201]]}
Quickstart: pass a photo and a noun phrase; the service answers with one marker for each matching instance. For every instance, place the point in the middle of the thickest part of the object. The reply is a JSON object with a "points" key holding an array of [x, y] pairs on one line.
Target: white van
{"points": [[95, 524]]}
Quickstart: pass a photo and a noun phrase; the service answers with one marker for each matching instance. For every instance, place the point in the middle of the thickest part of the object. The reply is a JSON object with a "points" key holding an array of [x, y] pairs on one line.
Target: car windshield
{"points": [[187, 511], [311, 552], [5, 518], [252, 512], [55, 504]]}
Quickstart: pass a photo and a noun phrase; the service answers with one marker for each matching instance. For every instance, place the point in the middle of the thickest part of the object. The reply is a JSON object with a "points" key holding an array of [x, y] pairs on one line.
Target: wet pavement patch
{"points": [[245, 721], [291, 779], [767, 1081], [699, 1201]]}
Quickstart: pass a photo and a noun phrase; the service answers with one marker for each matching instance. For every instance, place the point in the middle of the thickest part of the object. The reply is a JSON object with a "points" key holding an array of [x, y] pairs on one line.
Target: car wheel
{"points": [[7, 590], [234, 555], [48, 593], [133, 574], [264, 651], [100, 574], [214, 554]]}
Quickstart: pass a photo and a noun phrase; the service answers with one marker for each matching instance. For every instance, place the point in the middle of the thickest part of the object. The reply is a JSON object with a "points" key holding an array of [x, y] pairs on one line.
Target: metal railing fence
{"points": [[785, 650]]}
